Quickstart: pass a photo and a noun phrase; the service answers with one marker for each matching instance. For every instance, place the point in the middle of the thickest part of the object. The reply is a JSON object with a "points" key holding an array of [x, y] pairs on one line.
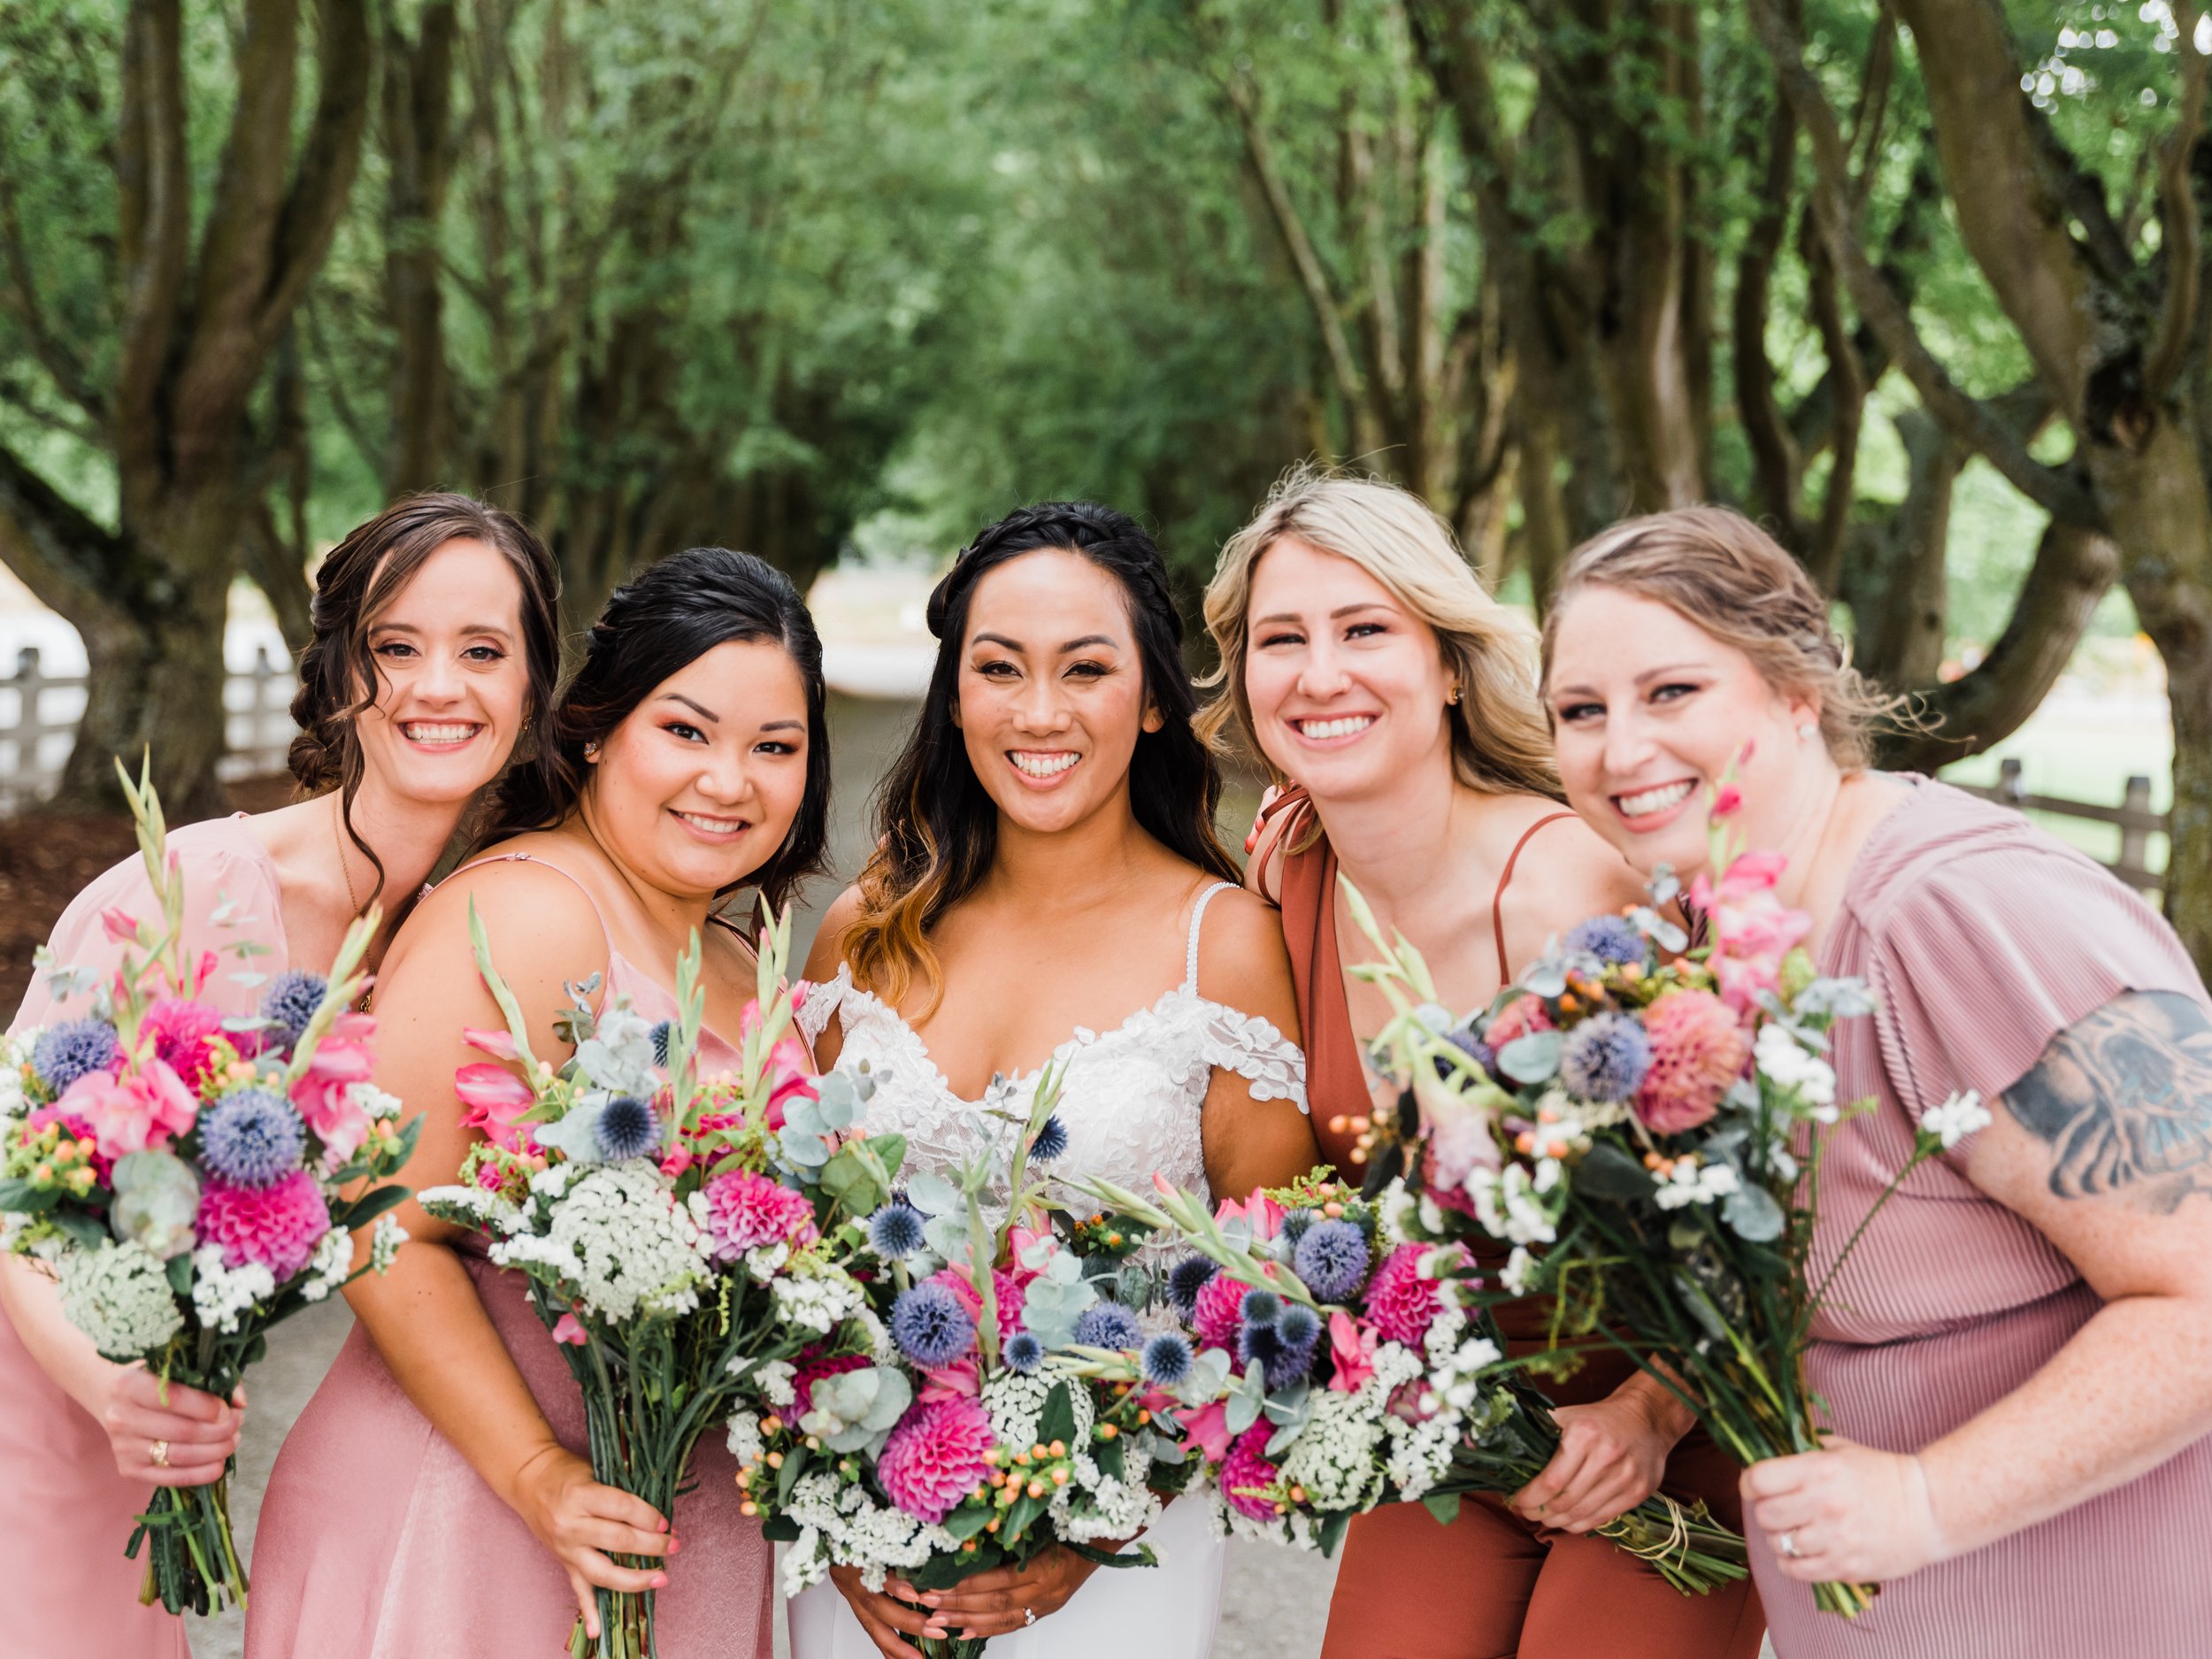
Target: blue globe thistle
{"points": [[1295, 1222], [252, 1137], [1108, 1324], [1051, 1141], [661, 1036], [895, 1231], [1282, 1363], [1332, 1260], [75, 1048], [1262, 1307], [1167, 1360], [291, 1000], [628, 1127], [1606, 1058], [1186, 1280], [1474, 1047], [1299, 1327], [1023, 1353], [931, 1327], [1612, 940]]}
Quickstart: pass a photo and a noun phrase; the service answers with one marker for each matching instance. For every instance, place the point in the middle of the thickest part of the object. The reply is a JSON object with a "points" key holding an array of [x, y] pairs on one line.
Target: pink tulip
{"points": [[495, 1099], [568, 1328], [1207, 1427], [133, 1112]]}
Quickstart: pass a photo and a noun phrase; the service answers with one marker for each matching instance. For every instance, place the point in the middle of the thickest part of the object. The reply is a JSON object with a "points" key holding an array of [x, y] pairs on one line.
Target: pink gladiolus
{"points": [[1727, 801], [568, 1328], [1460, 1141], [133, 1112], [791, 1069], [1161, 1184], [1353, 1352], [1753, 930], [204, 972], [495, 1098], [1207, 1427], [1263, 1213], [324, 1094], [799, 992], [120, 925], [498, 1044]]}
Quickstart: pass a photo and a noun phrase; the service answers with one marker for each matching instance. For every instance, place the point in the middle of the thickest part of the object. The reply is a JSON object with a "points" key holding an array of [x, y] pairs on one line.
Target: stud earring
{"points": [[1454, 698], [1807, 732], [591, 751]]}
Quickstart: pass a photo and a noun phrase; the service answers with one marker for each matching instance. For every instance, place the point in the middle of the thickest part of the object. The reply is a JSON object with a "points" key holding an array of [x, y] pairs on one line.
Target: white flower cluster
{"points": [[1694, 1181], [615, 1239], [384, 1242], [1786, 1062], [746, 1444], [1956, 1119], [1514, 1205], [840, 1526], [329, 1268], [775, 1378], [13, 1052], [119, 1295], [1333, 1456], [222, 1295], [817, 1296], [1105, 1506], [1016, 1402]]}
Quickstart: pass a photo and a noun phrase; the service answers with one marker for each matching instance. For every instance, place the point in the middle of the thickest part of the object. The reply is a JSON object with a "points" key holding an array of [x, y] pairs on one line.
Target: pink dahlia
{"points": [[278, 1226], [1697, 1051], [935, 1458], [1402, 1302], [181, 1032], [746, 1210], [1520, 1018], [812, 1371], [1246, 1472], [1218, 1314]]}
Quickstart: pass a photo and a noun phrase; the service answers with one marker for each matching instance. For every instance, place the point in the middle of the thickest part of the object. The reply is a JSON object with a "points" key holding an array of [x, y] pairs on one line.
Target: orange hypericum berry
{"points": [[1022, 1458], [1297, 1494], [1041, 1451], [1525, 1143], [1363, 1124], [1113, 1241], [991, 1525], [1555, 1148], [1036, 1488], [998, 1476], [1059, 1448], [1359, 1154], [1107, 1431], [748, 1508], [1332, 1210], [967, 1547], [1652, 1160], [1143, 1417], [775, 1460], [1060, 1477], [1567, 1003], [814, 1442], [1340, 1124]]}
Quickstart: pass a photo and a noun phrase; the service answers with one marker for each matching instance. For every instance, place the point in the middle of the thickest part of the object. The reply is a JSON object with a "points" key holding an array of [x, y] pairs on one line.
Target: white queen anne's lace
{"points": [[618, 1235], [119, 1295]]}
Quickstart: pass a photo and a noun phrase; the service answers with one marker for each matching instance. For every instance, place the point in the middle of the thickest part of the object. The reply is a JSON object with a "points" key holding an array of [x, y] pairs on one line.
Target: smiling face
{"points": [[1649, 711], [1348, 686], [700, 784], [1051, 691], [452, 682]]}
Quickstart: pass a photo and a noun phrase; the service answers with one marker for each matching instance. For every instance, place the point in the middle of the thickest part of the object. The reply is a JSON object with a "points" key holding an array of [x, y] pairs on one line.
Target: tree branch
{"points": [[155, 230], [62, 554], [1774, 457], [2181, 224], [317, 200], [21, 297]]}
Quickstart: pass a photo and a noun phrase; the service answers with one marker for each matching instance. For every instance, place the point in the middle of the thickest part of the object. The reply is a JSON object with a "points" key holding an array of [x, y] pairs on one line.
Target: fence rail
{"points": [[39, 714], [2133, 816]]}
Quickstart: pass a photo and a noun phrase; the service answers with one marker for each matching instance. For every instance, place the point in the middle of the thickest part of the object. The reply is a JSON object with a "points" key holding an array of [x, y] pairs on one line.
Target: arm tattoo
{"points": [[2123, 1098]]}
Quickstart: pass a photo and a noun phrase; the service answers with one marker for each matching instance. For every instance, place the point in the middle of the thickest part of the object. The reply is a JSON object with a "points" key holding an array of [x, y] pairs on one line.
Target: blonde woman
{"points": [[1394, 704]]}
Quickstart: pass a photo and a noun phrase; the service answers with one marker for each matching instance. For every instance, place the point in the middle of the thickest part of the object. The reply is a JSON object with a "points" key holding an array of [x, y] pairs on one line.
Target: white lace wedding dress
{"points": [[1129, 1100]]}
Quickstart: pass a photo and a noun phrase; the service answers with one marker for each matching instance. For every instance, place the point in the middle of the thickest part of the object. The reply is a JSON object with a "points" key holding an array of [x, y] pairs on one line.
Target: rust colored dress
{"points": [[1490, 1585]]}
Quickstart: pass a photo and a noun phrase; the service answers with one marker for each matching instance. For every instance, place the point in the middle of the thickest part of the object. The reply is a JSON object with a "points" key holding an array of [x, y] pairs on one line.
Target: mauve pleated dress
{"points": [[66, 1591], [1985, 938]]}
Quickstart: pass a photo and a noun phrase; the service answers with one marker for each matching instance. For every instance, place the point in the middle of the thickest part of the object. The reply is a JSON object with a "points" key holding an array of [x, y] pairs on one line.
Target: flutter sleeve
{"points": [[1253, 1048], [822, 1002], [232, 913]]}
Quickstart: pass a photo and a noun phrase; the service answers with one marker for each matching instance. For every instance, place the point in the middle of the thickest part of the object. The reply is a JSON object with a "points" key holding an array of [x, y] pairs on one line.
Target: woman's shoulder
{"points": [[1553, 869], [522, 891], [827, 954]]}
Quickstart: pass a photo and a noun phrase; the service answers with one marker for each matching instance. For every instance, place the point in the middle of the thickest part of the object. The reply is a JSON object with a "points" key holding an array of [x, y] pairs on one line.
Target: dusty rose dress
{"points": [[68, 1590], [378, 1541], [1985, 938]]}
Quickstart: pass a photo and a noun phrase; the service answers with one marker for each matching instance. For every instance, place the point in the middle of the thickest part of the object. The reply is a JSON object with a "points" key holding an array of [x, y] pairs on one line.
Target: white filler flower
{"points": [[119, 1295], [1956, 1119]]}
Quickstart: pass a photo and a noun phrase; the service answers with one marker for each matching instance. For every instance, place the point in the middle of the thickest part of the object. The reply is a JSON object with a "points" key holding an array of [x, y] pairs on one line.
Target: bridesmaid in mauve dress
{"points": [[2014, 1356], [435, 1496], [453, 604]]}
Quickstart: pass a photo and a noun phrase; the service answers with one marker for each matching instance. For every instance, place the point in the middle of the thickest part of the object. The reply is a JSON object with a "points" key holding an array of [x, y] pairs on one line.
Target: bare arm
{"points": [[1242, 964], [2105, 1147]]}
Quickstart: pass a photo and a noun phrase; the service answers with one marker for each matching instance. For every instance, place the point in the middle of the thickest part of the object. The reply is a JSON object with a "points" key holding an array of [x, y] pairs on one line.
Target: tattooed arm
{"points": [[2105, 1147]]}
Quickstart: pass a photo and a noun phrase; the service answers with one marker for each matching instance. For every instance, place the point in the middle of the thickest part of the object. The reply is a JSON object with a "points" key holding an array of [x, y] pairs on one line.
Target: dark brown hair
{"points": [[357, 583]]}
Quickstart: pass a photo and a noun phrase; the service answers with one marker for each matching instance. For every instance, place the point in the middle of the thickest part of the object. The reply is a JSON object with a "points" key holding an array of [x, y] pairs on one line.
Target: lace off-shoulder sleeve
{"points": [[822, 1000], [1254, 1049]]}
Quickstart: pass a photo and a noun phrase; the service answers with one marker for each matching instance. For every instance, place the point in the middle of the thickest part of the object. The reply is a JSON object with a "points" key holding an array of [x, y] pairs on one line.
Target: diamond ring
{"points": [[1029, 1616], [157, 1453], [1787, 1543]]}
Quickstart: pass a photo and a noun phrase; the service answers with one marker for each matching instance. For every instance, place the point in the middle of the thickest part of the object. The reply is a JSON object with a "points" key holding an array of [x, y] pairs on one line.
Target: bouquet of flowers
{"points": [[671, 1225], [1327, 1360], [958, 1437], [1645, 1130], [185, 1176]]}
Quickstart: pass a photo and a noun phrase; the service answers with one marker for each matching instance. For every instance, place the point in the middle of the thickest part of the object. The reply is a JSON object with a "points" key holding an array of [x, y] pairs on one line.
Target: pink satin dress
{"points": [[378, 1541], [68, 1592]]}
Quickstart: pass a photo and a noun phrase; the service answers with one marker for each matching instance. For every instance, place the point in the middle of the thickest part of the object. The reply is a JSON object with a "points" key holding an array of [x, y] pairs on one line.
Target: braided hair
{"points": [[667, 617], [938, 826]]}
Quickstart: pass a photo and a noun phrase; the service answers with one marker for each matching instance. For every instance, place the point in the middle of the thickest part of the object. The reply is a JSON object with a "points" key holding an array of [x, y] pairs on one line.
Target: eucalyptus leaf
{"points": [[932, 1193], [1547, 979], [808, 1152], [1754, 1213], [1533, 1059]]}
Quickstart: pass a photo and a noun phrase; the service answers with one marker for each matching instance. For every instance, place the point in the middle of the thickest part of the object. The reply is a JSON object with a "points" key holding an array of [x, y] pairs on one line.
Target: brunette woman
{"points": [[434, 1497], [434, 642], [2018, 1355], [1361, 658], [1048, 888]]}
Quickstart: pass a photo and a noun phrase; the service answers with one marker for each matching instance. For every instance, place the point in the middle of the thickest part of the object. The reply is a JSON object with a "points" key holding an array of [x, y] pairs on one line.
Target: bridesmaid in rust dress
{"points": [[2017, 1358], [1361, 655], [445, 609]]}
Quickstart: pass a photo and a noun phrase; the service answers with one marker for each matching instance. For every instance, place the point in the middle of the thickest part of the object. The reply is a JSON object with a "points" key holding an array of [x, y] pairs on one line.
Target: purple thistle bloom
{"points": [[1051, 1141], [1282, 1363], [252, 1137], [1262, 1307], [895, 1231], [1186, 1280], [75, 1048], [1612, 940], [1167, 1360], [931, 1327], [291, 1000], [1023, 1353], [1332, 1259], [661, 1036], [1108, 1324], [1606, 1058], [1299, 1327], [1475, 1048], [627, 1128]]}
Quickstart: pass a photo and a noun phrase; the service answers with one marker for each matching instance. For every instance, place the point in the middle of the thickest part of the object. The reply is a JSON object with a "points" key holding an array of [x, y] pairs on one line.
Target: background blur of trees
{"points": [[1918, 281]]}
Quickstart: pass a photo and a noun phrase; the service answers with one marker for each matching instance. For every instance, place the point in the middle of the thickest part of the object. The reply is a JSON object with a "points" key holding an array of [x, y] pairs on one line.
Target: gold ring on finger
{"points": [[157, 1453]]}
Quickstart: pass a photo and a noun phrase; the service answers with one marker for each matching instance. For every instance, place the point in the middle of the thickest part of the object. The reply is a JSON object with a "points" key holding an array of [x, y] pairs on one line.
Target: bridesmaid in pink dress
{"points": [[452, 607], [435, 1496], [2015, 1358]]}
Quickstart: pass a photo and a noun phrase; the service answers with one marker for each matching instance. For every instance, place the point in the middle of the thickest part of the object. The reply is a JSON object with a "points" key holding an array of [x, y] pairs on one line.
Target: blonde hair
{"points": [[1501, 742], [1719, 570]]}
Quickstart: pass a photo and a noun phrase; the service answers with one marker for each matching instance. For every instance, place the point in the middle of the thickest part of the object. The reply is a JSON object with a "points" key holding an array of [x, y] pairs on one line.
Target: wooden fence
{"points": [[39, 714], [2136, 821]]}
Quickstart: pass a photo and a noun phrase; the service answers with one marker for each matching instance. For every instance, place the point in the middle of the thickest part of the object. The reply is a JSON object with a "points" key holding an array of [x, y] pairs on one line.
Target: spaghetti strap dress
{"points": [[1493, 1586], [68, 1591], [378, 1541]]}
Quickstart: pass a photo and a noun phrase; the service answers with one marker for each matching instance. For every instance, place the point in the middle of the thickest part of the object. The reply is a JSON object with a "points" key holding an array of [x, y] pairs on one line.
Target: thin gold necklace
{"points": [[346, 870]]}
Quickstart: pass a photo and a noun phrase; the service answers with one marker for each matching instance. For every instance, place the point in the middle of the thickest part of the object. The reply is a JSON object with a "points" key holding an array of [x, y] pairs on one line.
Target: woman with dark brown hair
{"points": [[434, 641]]}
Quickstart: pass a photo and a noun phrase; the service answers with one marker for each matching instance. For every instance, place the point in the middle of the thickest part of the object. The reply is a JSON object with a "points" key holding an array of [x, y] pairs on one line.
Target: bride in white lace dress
{"points": [[1048, 886]]}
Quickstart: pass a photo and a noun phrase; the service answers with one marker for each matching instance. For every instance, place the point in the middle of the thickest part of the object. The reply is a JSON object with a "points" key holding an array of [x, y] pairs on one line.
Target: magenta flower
{"points": [[1697, 1050], [812, 1371], [134, 1111], [1752, 929], [1246, 1473], [278, 1226], [495, 1099], [1219, 1313], [1005, 1287], [1402, 1302], [1207, 1427], [746, 1210], [1353, 1352], [181, 1032], [324, 1094], [933, 1459], [499, 1044], [568, 1328], [1520, 1018], [791, 1073]]}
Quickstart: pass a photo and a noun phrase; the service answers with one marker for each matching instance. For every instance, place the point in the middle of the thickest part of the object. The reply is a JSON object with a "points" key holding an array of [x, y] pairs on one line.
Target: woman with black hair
{"points": [[434, 1497], [1051, 811]]}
